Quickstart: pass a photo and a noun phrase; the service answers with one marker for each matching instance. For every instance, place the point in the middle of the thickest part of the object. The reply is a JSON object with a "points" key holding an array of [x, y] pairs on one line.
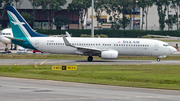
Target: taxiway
{"points": [[16, 89], [82, 62]]}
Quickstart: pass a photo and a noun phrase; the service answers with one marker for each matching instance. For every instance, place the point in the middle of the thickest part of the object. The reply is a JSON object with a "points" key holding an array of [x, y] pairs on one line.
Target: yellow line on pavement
{"points": [[44, 62]]}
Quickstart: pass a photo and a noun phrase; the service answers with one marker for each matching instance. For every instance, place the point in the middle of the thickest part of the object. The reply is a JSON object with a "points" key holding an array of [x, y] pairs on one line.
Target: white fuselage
{"points": [[6, 32], [124, 46]]}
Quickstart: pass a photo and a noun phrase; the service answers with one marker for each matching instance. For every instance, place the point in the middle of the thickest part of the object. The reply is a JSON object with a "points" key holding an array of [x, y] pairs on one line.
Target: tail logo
{"points": [[14, 20], [18, 23]]}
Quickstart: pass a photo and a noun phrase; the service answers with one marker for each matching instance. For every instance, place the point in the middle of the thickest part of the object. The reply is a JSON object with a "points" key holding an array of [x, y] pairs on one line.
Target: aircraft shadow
{"points": [[138, 61]]}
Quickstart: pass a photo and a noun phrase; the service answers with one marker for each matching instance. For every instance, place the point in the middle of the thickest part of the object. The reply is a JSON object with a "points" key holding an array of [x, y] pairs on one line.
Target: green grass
{"points": [[171, 40], [38, 56], [147, 76]]}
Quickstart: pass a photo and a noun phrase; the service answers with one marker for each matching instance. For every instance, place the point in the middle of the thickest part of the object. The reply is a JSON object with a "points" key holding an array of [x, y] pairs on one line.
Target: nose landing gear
{"points": [[90, 58], [158, 59]]}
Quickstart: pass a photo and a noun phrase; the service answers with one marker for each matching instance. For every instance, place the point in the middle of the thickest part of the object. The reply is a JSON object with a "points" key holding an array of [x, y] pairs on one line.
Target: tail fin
{"points": [[20, 27]]}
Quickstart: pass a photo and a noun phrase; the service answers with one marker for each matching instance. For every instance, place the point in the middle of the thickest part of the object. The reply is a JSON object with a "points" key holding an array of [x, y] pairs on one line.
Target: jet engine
{"points": [[111, 54]]}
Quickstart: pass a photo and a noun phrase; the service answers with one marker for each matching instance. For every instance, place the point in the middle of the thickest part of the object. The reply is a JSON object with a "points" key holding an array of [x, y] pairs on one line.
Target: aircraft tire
{"points": [[158, 59], [90, 58]]}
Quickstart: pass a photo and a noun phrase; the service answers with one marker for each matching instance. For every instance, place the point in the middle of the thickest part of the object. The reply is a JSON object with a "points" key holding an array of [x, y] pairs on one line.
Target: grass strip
{"points": [[39, 56], [146, 76], [171, 40]]}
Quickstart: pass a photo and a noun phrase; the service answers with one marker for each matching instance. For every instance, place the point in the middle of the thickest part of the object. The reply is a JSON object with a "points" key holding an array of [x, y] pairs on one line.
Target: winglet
{"points": [[66, 42], [67, 34]]}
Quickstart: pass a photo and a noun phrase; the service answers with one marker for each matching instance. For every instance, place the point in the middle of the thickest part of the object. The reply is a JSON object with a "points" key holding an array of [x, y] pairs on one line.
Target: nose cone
{"points": [[172, 50]]}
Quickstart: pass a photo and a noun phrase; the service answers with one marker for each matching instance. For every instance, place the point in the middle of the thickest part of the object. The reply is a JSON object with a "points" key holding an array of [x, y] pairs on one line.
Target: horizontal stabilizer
{"points": [[14, 38]]}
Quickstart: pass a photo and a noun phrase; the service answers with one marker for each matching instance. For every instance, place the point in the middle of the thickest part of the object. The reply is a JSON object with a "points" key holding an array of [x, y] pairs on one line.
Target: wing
{"points": [[84, 50]]}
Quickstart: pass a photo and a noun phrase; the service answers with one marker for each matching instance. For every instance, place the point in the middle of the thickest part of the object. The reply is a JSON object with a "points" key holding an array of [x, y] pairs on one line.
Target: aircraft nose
{"points": [[172, 49]]}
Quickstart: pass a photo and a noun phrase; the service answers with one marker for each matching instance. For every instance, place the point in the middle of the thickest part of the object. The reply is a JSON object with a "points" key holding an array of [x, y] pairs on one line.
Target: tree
{"points": [[29, 18], [51, 6], [99, 8], [175, 5], [149, 4], [113, 8], [18, 3], [161, 8], [3, 4], [145, 4], [124, 22], [123, 9], [35, 4], [80, 8], [60, 21], [67, 21], [110, 19], [170, 21], [134, 5], [142, 5]]}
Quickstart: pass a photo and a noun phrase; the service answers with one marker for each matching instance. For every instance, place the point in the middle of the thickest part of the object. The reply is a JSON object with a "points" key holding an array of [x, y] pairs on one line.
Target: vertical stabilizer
{"points": [[20, 27]]}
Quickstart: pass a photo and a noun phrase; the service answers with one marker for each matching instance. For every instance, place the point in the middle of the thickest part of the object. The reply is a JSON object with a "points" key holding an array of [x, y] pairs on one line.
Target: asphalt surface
{"points": [[82, 62], [16, 89]]}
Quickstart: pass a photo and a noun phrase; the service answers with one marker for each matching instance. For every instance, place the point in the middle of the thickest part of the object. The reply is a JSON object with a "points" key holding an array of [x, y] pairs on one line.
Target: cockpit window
{"points": [[165, 45]]}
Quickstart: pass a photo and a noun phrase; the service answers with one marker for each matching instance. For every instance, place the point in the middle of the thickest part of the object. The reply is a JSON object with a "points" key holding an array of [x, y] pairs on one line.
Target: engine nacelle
{"points": [[111, 54]]}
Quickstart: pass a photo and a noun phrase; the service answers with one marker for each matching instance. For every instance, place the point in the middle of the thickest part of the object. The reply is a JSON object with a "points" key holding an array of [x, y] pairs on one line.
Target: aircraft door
{"points": [[37, 44], [156, 46], [101, 45]]}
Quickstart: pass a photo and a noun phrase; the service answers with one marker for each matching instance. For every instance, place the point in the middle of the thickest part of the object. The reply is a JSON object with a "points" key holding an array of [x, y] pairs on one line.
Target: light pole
{"points": [[92, 20]]}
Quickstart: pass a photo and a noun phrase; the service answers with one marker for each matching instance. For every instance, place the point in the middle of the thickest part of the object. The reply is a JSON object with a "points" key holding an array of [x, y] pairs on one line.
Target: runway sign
{"points": [[64, 67]]}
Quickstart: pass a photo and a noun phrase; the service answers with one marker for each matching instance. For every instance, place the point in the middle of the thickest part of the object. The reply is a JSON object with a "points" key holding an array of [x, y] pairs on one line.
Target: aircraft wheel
{"points": [[90, 58], [158, 59]]}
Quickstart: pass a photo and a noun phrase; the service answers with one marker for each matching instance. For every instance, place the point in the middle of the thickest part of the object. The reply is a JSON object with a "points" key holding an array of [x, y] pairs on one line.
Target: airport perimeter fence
{"points": [[110, 33]]}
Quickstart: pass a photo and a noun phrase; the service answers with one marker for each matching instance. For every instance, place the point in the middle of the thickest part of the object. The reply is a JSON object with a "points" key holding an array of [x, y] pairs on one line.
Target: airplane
{"points": [[106, 48], [6, 33]]}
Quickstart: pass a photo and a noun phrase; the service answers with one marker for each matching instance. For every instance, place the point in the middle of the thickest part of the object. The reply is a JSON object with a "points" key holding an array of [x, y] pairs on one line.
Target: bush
{"points": [[110, 33], [101, 35], [85, 35]]}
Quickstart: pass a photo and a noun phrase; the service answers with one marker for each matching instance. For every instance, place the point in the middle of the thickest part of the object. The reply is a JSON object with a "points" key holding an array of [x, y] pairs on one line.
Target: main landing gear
{"points": [[90, 58], [158, 59]]}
